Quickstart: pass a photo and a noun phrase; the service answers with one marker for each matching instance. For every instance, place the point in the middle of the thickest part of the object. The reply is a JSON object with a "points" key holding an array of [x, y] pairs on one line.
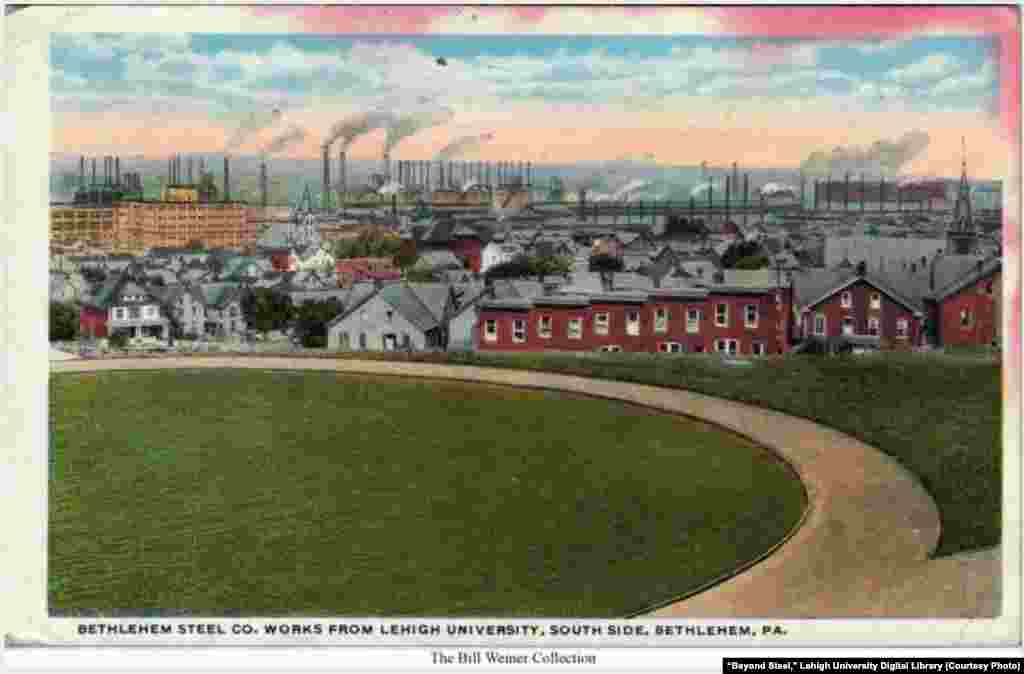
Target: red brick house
{"points": [[855, 309], [968, 311], [734, 320], [356, 269]]}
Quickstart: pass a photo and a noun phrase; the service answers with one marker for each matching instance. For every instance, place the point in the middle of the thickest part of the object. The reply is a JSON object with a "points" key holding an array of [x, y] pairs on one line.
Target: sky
{"points": [[723, 88]]}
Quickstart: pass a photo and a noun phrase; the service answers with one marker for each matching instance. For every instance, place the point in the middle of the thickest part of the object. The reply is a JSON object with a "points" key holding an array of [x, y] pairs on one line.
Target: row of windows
{"points": [[387, 341], [602, 323], [846, 300], [135, 313], [848, 326]]}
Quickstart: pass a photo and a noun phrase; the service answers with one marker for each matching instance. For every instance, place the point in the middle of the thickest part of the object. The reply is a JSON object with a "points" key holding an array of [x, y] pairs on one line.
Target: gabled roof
{"points": [[815, 286], [434, 296], [408, 304], [977, 270], [217, 294]]}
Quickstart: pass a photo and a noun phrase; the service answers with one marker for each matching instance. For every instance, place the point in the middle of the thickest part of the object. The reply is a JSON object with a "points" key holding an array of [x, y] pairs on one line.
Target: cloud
{"points": [[932, 67]]}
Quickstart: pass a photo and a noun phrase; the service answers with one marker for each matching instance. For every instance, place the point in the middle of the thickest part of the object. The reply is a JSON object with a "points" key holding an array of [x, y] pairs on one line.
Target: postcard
{"points": [[530, 328]]}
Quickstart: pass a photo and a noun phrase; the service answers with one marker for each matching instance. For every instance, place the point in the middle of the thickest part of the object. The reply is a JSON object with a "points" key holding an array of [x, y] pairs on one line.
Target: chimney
{"points": [[862, 268], [227, 179], [342, 179], [263, 184], [325, 200]]}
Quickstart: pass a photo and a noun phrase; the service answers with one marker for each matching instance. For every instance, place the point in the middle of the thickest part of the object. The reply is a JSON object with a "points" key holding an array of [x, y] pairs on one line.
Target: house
{"points": [[966, 301], [123, 306], [357, 269], [499, 252], [313, 258], [855, 308], [185, 307], [392, 318], [438, 259], [222, 304]]}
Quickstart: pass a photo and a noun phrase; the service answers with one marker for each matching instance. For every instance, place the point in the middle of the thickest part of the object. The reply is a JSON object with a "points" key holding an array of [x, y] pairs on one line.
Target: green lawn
{"points": [[939, 415], [251, 492]]}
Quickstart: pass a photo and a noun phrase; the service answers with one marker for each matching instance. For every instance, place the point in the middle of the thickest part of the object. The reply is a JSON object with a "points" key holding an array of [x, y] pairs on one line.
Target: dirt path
{"points": [[862, 550]]}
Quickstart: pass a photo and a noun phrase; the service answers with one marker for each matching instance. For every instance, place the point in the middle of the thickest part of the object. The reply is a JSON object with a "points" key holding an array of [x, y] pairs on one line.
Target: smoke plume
{"points": [[350, 128], [410, 123], [777, 190], [254, 123], [293, 134], [462, 145], [883, 157]]}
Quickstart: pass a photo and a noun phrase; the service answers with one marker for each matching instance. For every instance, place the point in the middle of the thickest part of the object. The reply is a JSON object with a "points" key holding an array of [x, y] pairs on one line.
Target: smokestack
{"points": [[263, 184], [386, 168], [728, 194], [846, 193], [227, 179], [746, 197], [191, 181], [325, 195], [117, 171], [863, 193], [81, 172], [394, 205], [342, 178], [529, 177], [93, 184]]}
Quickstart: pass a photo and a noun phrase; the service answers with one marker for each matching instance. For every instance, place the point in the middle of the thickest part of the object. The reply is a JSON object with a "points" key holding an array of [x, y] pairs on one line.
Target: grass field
{"points": [[939, 415], [257, 493]]}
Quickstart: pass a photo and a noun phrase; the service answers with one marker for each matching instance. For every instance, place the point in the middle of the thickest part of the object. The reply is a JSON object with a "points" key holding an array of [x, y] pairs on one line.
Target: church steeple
{"points": [[962, 211], [960, 237]]}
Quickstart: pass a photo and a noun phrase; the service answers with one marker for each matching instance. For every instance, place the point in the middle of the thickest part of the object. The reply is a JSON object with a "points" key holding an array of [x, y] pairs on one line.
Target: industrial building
{"points": [[113, 213]]}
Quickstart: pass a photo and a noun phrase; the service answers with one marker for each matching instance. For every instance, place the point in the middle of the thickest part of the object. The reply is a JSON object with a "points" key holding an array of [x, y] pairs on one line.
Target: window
{"points": [[406, 341], [344, 340], [726, 346], [491, 330], [846, 299], [661, 319], [965, 318], [611, 348], [819, 324], [133, 312], [633, 323], [750, 316], [693, 320], [519, 331], [575, 330], [873, 327], [876, 301], [760, 349], [902, 328], [670, 347], [150, 311], [721, 315], [362, 340], [544, 327], [847, 325]]}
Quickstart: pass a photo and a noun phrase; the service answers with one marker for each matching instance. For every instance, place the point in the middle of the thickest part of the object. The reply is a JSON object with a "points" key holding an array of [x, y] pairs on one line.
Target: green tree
{"points": [[419, 275], [752, 262], [311, 319], [550, 265], [739, 250], [266, 310], [518, 267], [63, 322]]}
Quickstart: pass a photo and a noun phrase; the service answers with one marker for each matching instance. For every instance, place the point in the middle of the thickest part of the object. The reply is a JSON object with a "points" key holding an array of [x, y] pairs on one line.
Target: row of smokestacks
{"points": [[426, 175], [182, 172], [857, 193], [111, 176]]}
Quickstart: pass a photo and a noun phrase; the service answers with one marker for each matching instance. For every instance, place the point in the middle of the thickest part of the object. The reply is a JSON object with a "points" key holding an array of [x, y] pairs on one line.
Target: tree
{"points": [[518, 267], [63, 322], [195, 244], [94, 274], [752, 262], [266, 310], [605, 263], [420, 275], [738, 251], [550, 265], [311, 319]]}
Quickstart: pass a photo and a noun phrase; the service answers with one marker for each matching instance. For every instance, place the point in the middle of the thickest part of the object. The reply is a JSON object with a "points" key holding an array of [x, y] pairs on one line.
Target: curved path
{"points": [[862, 550]]}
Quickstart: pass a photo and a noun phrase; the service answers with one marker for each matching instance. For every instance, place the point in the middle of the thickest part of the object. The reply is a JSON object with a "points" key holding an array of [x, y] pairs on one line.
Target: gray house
{"points": [[398, 316]]}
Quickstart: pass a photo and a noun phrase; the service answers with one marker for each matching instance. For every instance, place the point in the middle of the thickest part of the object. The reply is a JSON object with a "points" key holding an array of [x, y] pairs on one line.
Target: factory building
{"points": [[187, 213]]}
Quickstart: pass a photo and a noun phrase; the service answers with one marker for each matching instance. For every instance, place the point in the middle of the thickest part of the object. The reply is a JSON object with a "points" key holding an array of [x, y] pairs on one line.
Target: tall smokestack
{"points": [[342, 178], [263, 184], [529, 177], [117, 171], [81, 172], [728, 194], [325, 198], [846, 193], [227, 179], [386, 167], [93, 184], [746, 197], [191, 181]]}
